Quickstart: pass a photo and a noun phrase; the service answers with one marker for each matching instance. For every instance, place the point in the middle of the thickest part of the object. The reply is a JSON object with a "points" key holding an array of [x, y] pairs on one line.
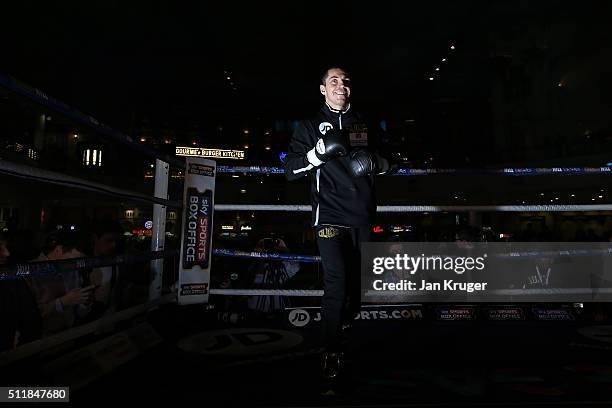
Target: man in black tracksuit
{"points": [[339, 151]]}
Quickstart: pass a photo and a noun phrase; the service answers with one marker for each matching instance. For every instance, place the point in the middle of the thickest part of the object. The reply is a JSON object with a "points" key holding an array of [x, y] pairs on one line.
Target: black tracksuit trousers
{"points": [[340, 250]]}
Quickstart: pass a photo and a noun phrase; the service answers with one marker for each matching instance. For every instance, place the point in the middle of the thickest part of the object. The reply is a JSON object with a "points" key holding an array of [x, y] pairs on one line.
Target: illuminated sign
{"points": [[227, 227], [149, 224], [401, 228], [245, 228], [142, 232], [205, 152], [377, 229]]}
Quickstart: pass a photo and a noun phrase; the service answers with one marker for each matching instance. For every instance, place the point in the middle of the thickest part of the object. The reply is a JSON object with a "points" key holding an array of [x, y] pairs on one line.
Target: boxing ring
{"points": [[160, 297], [42, 268]]}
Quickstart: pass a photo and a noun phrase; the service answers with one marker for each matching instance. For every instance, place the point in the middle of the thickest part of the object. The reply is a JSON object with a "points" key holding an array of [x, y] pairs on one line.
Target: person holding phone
{"points": [[61, 297]]}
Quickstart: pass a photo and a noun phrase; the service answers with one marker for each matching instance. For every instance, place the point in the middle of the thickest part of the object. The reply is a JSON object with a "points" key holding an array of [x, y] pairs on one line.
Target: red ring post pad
{"points": [[492, 272]]}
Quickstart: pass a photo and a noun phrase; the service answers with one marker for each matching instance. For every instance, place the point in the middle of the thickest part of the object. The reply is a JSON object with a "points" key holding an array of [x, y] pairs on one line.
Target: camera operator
{"points": [[270, 274]]}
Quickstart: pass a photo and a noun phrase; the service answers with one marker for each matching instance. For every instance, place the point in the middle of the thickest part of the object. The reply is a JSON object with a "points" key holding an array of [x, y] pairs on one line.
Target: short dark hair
{"points": [[69, 240], [325, 74]]}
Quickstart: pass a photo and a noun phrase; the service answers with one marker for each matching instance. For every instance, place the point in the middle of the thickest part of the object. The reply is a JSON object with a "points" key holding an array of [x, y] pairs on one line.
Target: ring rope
{"points": [[266, 255], [37, 346], [509, 171], [49, 102], [42, 268], [52, 177], [267, 292], [427, 208], [513, 292]]}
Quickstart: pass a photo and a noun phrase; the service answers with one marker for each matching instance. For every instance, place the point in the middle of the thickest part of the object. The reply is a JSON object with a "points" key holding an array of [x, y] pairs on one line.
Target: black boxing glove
{"points": [[329, 147], [362, 163]]}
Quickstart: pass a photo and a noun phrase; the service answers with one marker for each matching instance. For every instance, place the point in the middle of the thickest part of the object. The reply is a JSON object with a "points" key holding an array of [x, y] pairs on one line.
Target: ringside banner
{"points": [[309, 316], [196, 238], [471, 272]]}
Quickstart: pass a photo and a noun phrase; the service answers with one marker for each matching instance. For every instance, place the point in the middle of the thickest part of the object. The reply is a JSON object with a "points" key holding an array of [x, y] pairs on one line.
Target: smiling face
{"points": [[336, 88]]}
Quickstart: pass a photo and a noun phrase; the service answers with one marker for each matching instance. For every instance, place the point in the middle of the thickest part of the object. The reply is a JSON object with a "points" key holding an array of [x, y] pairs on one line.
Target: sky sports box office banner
{"points": [[196, 238]]}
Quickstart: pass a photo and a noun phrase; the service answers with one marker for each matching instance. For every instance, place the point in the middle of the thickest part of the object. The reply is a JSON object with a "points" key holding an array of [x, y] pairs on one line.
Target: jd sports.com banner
{"points": [[486, 272], [196, 239], [311, 316]]}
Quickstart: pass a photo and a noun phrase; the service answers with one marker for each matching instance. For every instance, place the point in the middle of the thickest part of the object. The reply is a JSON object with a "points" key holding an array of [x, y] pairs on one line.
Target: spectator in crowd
{"points": [[62, 298], [271, 274], [19, 317], [105, 235]]}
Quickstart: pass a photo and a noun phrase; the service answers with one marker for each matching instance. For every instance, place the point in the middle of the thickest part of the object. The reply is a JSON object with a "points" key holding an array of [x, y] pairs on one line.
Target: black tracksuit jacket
{"points": [[337, 197]]}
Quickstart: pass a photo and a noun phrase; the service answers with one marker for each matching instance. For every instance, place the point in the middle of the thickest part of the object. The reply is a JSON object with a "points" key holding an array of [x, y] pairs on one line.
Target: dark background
{"points": [[527, 74]]}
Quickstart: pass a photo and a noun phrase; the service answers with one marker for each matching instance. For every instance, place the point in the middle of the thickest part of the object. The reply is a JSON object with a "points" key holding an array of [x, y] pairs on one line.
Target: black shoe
{"points": [[332, 365], [345, 334]]}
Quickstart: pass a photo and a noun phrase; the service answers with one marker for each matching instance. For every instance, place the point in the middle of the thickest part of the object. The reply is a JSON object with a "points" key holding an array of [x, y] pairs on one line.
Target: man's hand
{"points": [[79, 296], [362, 163], [331, 146]]}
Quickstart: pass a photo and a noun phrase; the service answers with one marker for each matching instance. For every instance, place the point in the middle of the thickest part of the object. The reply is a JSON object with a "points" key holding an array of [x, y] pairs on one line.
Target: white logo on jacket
{"points": [[324, 127]]}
